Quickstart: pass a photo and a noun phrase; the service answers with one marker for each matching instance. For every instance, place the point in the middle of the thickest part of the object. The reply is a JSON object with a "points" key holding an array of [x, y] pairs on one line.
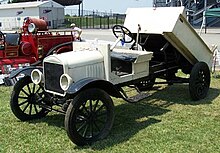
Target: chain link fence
{"points": [[93, 19]]}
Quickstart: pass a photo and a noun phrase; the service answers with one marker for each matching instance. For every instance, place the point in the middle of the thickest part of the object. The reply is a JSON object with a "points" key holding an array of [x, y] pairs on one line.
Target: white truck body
{"points": [[172, 24], [88, 61]]}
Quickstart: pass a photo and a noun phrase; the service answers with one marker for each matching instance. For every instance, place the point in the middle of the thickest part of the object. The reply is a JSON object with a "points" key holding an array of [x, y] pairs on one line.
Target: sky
{"points": [[115, 6]]}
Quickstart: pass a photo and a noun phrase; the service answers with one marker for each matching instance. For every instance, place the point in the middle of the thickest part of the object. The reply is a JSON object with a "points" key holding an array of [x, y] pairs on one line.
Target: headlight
{"points": [[36, 76], [31, 27], [65, 81]]}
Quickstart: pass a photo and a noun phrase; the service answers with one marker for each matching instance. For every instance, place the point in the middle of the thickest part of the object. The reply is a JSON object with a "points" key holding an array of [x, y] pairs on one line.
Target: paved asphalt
{"points": [[211, 37], [100, 34]]}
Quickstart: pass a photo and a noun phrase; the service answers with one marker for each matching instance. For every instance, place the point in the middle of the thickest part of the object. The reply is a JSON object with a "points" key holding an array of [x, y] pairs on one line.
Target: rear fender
{"points": [[94, 83], [26, 71]]}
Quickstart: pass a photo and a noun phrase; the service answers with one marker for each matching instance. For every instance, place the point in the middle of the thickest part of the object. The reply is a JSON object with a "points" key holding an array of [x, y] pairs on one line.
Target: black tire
{"points": [[89, 117], [199, 81], [146, 85], [25, 100]]}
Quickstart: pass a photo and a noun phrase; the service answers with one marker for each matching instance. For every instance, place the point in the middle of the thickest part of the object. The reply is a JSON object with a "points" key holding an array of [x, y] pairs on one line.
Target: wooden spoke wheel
{"points": [[89, 116], [25, 100]]}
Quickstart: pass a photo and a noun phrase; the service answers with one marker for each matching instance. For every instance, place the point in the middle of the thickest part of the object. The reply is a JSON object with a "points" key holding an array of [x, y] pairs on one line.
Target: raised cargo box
{"points": [[170, 22]]}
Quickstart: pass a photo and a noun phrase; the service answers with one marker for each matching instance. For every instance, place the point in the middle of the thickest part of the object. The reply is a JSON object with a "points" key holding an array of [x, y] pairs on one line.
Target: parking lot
{"points": [[101, 34], [211, 37]]}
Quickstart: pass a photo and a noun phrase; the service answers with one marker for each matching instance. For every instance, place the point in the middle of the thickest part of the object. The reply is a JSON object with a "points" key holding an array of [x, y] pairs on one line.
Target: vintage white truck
{"points": [[159, 42]]}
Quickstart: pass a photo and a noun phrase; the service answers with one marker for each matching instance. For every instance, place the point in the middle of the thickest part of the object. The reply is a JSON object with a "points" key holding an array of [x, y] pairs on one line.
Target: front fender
{"points": [[94, 83], [26, 71]]}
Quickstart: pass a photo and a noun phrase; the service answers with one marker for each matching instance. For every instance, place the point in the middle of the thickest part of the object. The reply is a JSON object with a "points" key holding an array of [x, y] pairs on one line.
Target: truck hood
{"points": [[76, 58]]}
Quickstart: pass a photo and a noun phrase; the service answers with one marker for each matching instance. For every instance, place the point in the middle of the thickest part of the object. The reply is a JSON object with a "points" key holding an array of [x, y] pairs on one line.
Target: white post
{"points": [[204, 18], [205, 9], [203, 23]]}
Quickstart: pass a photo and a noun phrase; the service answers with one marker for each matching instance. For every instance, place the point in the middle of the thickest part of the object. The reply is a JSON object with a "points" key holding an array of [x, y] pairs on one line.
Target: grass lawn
{"points": [[167, 121]]}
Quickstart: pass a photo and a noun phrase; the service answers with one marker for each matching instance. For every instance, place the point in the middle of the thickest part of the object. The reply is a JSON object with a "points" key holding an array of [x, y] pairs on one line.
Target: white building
{"points": [[3, 1], [12, 15]]}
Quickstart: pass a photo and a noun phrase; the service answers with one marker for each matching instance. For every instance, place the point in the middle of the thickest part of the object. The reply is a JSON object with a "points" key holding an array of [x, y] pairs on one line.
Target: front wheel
{"points": [[199, 81], [89, 116], [25, 100]]}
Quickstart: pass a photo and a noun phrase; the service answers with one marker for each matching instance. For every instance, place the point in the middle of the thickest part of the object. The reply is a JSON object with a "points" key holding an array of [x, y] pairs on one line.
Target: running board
{"points": [[138, 97], [134, 99]]}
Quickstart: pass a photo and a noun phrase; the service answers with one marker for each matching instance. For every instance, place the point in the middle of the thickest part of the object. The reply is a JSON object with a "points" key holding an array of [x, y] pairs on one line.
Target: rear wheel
{"points": [[25, 100], [199, 81], [89, 116]]}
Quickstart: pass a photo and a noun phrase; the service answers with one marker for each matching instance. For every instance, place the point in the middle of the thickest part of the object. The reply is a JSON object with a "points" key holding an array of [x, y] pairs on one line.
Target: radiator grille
{"points": [[52, 74]]}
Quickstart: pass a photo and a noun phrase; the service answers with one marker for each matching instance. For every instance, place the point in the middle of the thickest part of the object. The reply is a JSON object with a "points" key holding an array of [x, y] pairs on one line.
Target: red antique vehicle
{"points": [[31, 45]]}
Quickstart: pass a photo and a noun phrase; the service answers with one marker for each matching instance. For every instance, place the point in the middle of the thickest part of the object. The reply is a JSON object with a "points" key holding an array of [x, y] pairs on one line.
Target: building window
{"points": [[49, 23], [0, 24]]}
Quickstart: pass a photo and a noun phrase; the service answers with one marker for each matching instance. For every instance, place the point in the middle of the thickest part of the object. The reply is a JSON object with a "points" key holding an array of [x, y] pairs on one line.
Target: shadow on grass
{"points": [[129, 120], [132, 118], [52, 120], [179, 94]]}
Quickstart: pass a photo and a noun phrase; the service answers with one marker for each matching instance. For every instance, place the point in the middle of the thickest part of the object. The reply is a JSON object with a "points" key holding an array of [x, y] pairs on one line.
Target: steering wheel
{"points": [[121, 31], [2, 40]]}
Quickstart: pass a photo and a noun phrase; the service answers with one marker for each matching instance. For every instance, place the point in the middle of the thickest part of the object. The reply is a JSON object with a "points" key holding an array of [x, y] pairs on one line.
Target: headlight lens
{"points": [[31, 27], [65, 81], [36, 76]]}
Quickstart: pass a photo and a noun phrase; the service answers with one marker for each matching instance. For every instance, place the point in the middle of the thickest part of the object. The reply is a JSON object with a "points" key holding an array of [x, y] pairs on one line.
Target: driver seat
{"points": [[123, 56], [12, 41], [121, 62]]}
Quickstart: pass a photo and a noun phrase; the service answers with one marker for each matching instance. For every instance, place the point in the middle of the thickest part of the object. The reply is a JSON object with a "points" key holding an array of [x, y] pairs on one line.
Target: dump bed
{"points": [[171, 23]]}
